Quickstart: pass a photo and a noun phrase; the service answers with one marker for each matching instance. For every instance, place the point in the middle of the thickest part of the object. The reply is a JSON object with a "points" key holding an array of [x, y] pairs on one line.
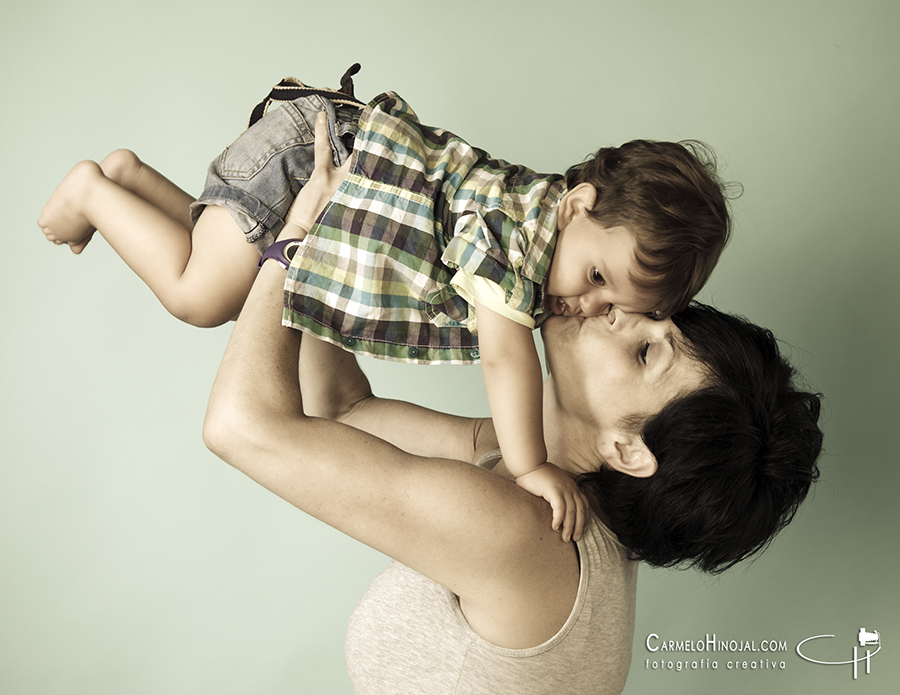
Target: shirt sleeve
{"points": [[491, 247], [490, 294]]}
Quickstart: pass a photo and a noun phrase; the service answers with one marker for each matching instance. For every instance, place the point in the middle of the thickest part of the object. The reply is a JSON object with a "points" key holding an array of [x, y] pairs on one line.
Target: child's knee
{"points": [[199, 309], [86, 172], [120, 165]]}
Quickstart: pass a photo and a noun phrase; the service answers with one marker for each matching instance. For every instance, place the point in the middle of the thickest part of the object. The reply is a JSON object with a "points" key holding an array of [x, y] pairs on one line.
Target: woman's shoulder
{"points": [[517, 614], [508, 611]]}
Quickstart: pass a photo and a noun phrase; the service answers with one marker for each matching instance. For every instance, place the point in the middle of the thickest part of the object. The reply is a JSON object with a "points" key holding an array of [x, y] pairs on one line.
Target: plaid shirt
{"points": [[419, 205]]}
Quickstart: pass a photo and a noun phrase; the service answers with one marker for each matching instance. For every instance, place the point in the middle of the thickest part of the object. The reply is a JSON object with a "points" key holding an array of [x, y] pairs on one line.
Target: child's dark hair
{"points": [[670, 197], [736, 458]]}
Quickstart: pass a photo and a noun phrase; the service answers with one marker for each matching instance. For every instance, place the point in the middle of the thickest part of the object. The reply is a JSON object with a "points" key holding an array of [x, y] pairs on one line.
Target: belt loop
{"points": [[347, 79], [286, 90], [291, 88]]}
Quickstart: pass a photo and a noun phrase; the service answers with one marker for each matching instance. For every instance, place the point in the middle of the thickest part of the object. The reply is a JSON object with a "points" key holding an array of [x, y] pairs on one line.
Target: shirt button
{"points": [[349, 342], [474, 354], [413, 352]]}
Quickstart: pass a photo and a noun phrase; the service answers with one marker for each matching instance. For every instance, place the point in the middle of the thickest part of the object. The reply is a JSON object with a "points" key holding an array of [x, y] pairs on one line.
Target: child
{"points": [[427, 242]]}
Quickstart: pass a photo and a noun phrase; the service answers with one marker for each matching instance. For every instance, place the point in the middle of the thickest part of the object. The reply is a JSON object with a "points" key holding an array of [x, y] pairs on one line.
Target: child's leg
{"points": [[124, 167], [64, 225], [201, 276], [215, 282]]}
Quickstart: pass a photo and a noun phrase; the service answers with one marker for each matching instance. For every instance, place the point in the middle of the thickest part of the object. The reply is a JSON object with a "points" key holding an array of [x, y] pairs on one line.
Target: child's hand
{"points": [[570, 506]]}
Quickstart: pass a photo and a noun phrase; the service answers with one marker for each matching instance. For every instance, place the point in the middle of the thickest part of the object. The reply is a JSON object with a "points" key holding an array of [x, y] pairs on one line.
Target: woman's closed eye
{"points": [[643, 353]]}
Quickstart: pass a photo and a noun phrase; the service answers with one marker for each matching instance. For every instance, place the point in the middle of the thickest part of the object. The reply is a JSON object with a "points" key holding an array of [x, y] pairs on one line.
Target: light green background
{"points": [[133, 561]]}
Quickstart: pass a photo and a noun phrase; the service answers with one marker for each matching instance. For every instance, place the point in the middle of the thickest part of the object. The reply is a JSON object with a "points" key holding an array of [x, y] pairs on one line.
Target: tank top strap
{"points": [[487, 457]]}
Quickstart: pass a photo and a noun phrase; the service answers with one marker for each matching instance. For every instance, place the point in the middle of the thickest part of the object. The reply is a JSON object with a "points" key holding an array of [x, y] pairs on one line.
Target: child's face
{"points": [[591, 270]]}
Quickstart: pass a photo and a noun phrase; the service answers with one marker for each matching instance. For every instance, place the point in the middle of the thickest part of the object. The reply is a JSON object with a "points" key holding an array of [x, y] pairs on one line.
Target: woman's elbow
{"points": [[224, 429], [239, 430]]}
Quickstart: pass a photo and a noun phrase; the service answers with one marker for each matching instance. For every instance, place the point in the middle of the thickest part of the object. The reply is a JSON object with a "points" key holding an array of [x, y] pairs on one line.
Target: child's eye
{"points": [[597, 277], [644, 351]]}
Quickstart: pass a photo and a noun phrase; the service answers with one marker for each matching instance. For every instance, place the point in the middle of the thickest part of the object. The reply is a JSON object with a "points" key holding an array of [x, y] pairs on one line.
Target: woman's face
{"points": [[616, 366]]}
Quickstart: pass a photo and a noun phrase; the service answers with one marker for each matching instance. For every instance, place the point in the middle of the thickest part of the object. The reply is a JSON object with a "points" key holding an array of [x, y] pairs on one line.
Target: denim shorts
{"points": [[260, 174]]}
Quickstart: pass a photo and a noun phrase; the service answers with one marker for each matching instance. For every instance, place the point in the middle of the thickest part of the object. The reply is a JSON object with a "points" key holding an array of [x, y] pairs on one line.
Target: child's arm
{"points": [[512, 377]]}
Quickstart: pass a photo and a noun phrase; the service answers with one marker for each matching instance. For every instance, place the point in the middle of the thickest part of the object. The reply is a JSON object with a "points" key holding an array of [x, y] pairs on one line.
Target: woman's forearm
{"points": [[334, 387], [257, 383], [331, 381]]}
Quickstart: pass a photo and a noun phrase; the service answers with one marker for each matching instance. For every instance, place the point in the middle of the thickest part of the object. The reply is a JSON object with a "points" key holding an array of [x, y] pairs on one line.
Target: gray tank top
{"points": [[408, 635]]}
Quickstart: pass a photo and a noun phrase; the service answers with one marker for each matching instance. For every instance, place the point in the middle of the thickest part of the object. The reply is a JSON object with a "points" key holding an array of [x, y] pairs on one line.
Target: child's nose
{"points": [[593, 305]]}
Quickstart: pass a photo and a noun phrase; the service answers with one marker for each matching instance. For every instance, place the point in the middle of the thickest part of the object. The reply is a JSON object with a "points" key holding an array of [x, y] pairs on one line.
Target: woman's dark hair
{"points": [[736, 458], [670, 197]]}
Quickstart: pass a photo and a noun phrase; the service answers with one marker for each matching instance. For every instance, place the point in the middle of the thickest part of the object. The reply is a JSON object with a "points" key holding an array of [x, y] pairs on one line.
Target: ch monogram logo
{"points": [[865, 639]]}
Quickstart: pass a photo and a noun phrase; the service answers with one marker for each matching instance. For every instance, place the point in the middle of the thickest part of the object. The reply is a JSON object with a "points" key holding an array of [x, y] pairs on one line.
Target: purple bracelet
{"points": [[281, 251]]}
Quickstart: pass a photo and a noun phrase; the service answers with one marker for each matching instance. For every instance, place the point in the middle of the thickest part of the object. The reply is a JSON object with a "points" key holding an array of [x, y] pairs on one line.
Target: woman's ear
{"points": [[577, 200], [628, 454]]}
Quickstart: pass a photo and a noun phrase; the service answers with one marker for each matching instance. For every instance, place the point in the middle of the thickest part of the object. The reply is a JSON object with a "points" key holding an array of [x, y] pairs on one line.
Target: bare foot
{"points": [[62, 220]]}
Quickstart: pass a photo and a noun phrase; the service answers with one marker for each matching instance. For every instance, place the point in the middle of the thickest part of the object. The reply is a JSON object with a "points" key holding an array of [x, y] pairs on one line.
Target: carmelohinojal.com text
{"points": [[731, 655]]}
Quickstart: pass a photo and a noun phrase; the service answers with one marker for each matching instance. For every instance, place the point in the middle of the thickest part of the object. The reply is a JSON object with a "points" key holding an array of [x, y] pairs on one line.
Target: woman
{"points": [[487, 599]]}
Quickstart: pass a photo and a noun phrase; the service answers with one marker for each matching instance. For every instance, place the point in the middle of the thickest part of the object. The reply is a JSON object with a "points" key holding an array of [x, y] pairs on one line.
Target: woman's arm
{"points": [[471, 531], [334, 387], [476, 533]]}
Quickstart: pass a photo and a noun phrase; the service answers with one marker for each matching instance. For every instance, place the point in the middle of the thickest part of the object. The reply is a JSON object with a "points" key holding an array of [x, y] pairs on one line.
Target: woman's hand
{"points": [[314, 196]]}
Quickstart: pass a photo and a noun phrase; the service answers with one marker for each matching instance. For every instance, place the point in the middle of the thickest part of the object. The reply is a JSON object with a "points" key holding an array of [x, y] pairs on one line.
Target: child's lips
{"points": [[560, 308]]}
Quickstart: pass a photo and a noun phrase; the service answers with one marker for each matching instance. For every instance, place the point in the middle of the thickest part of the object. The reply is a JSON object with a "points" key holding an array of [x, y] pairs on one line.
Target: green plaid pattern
{"points": [[420, 203]]}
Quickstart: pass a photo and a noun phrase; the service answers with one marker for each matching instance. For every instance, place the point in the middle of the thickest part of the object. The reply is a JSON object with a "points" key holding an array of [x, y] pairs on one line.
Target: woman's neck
{"points": [[567, 436], [570, 444]]}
